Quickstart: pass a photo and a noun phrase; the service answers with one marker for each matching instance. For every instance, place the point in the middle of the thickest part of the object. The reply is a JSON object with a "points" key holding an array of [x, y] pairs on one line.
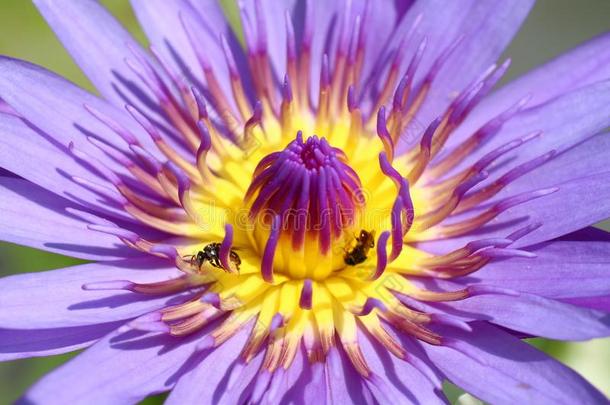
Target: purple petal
{"points": [[326, 26], [6, 109], [565, 121], [31, 89], [577, 203], [22, 144], [584, 65], [56, 299], [379, 29], [22, 343], [121, 368], [316, 387], [213, 367], [344, 384], [589, 157], [99, 44], [7, 173], [310, 383], [34, 217], [275, 27], [533, 315], [560, 270], [498, 368], [240, 384], [283, 383], [598, 303], [395, 380], [588, 234], [214, 22], [487, 28], [161, 20]]}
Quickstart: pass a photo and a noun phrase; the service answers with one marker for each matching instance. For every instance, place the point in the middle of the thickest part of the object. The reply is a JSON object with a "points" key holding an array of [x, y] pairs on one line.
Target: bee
{"points": [[211, 254], [364, 242]]}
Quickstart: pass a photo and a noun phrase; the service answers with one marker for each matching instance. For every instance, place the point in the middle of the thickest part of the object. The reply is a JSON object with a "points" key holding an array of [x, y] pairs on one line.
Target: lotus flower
{"points": [[341, 209]]}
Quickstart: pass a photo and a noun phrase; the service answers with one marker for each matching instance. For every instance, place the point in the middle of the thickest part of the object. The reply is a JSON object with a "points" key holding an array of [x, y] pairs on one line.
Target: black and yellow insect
{"points": [[211, 254], [358, 254]]}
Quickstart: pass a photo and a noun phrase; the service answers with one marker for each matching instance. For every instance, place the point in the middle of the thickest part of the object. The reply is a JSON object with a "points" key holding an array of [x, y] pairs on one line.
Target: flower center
{"points": [[304, 203]]}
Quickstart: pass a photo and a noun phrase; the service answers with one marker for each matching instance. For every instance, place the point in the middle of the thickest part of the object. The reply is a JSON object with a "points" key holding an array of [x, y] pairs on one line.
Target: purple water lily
{"points": [[341, 209]]}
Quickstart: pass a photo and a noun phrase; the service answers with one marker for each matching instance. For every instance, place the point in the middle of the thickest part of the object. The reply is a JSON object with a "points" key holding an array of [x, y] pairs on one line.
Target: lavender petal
{"points": [[34, 217], [586, 64], [560, 270], [512, 371], [213, 367], [99, 44], [23, 343], [121, 368], [55, 299]]}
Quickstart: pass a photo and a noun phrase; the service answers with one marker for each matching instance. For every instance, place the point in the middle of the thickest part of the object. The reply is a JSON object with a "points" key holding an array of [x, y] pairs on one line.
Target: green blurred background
{"points": [[554, 26]]}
